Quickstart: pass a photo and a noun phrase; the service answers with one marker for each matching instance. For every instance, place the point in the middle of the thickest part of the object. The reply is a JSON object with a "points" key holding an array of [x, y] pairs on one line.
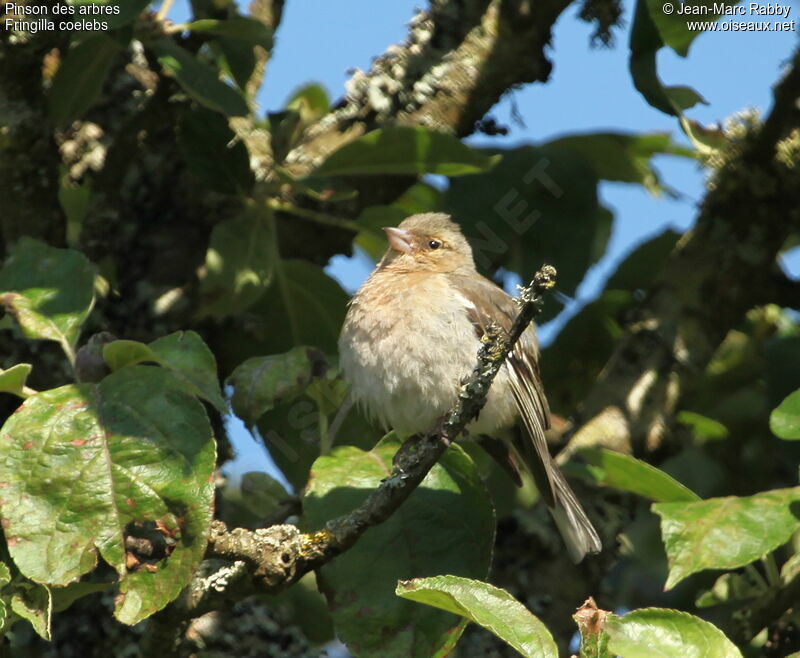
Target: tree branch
{"points": [[458, 60], [271, 559]]}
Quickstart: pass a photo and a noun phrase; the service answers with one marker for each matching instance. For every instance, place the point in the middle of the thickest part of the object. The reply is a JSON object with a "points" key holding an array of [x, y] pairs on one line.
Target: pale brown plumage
{"points": [[411, 334]]}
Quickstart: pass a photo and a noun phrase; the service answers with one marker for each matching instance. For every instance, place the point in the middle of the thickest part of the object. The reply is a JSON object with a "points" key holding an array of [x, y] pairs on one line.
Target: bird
{"points": [[411, 334]]}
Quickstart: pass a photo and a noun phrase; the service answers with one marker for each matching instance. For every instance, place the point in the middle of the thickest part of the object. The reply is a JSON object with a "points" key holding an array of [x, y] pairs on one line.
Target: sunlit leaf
{"points": [[13, 380], [144, 454], [620, 471], [726, 533], [491, 607], [668, 634], [785, 420]]}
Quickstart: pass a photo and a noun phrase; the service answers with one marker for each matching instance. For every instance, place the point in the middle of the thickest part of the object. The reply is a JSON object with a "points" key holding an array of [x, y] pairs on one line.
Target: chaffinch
{"points": [[411, 335]]}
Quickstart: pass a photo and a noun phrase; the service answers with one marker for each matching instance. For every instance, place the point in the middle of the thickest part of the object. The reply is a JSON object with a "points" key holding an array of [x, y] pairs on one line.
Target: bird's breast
{"points": [[405, 346]]}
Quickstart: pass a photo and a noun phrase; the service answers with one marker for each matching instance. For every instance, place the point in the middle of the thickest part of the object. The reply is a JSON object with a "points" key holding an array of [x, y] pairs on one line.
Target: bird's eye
{"points": [[434, 244]]}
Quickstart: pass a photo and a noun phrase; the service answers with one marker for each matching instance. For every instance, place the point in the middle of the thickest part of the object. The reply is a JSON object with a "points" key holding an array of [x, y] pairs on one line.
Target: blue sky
{"points": [[590, 91]]}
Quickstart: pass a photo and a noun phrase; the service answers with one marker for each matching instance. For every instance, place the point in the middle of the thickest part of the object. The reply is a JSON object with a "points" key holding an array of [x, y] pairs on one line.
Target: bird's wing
{"points": [[488, 303]]}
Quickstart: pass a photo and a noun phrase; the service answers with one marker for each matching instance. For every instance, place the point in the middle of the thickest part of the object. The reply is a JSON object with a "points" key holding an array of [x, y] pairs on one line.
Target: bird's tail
{"points": [[575, 527]]}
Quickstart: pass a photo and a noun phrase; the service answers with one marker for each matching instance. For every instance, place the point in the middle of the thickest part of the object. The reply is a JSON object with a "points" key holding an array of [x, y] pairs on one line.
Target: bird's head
{"points": [[427, 242]]}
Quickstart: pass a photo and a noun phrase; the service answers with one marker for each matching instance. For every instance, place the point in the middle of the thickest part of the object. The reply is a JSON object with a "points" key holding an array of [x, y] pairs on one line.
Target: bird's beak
{"points": [[399, 239]]}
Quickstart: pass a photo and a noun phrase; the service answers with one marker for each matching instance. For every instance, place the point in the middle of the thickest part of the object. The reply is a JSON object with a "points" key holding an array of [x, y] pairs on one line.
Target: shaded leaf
{"points": [[213, 153], [145, 453], [624, 472], [64, 597], [263, 382], [732, 587], [785, 420], [239, 263], [517, 214], [80, 77], [673, 28], [405, 150], [199, 80], [49, 291], [428, 534], [305, 307], [623, 157], [491, 607], [666, 633], [13, 380], [242, 28], [236, 58], [726, 533], [261, 494]]}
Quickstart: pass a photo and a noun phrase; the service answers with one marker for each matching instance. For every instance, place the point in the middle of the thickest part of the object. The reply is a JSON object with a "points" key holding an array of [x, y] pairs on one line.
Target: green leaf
{"points": [[239, 263], [310, 101], [80, 77], [199, 80], [703, 427], [731, 588], [305, 307], [182, 352], [405, 150], [491, 607], [13, 380], [241, 28], [623, 157], [427, 535], [236, 58], [668, 634], [64, 597], [192, 363], [673, 28], [630, 474], [785, 420], [82, 465], [34, 603], [261, 494], [263, 382], [725, 533], [50, 291], [121, 353], [213, 153]]}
